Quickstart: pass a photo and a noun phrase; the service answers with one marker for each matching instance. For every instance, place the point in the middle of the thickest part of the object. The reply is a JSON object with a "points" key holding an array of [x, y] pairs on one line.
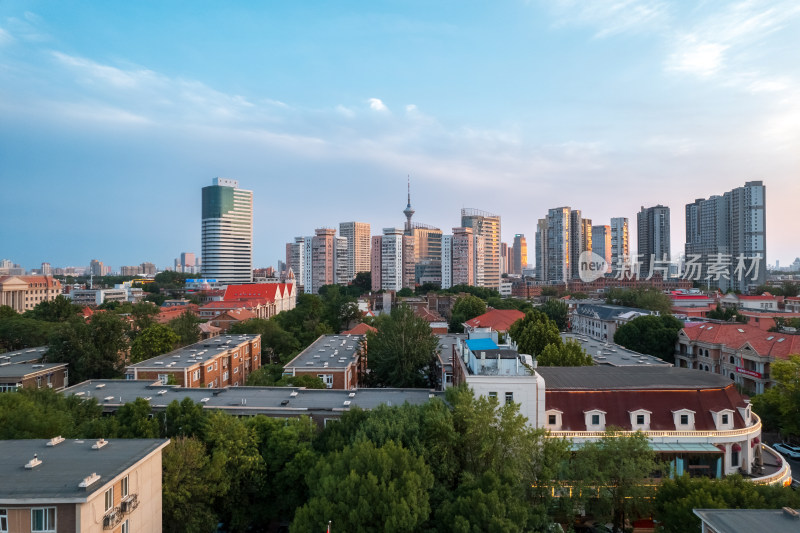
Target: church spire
{"points": [[408, 211]]}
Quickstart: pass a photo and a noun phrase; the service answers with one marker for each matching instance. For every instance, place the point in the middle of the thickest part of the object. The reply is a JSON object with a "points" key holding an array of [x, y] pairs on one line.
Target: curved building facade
{"points": [[227, 232]]}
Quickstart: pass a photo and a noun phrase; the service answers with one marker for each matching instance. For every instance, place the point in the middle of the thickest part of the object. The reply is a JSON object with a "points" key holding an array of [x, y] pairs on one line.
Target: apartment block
{"points": [[486, 226], [358, 247], [226, 360]]}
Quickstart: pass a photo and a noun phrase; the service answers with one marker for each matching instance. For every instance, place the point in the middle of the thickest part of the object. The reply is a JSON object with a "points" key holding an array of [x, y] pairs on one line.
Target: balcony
{"points": [[720, 434], [775, 470], [129, 503], [112, 518]]}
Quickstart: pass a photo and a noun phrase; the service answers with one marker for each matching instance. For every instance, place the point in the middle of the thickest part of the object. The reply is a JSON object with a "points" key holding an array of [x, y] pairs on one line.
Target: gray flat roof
{"points": [[601, 377], [113, 393], [64, 466], [28, 355], [23, 369], [750, 520], [196, 353], [608, 353], [328, 351]]}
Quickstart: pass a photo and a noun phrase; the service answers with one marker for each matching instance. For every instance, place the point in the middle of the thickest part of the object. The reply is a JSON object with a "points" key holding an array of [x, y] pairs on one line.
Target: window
{"points": [[197, 375], [327, 379], [551, 419], [3, 521], [236, 370], [725, 419], [43, 519], [124, 487], [109, 499], [210, 368], [639, 420], [509, 397], [126, 528], [492, 394], [225, 376], [595, 420], [734, 458], [684, 420], [163, 378]]}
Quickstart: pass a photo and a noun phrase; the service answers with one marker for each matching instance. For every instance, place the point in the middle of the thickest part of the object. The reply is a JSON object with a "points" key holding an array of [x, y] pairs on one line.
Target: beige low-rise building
{"points": [[22, 293], [81, 486]]}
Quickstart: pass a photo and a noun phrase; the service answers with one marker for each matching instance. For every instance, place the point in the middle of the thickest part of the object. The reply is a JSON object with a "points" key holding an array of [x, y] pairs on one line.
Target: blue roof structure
{"points": [[481, 344]]}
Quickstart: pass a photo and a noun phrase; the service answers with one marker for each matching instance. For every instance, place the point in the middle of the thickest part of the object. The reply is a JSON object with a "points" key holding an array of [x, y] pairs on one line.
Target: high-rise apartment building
{"points": [[601, 243], [540, 245], [557, 258], [620, 244], [358, 243], [341, 248], [227, 232], [652, 237], [487, 227], [427, 252], [520, 254], [733, 225], [323, 259], [296, 260], [96, 268], [392, 268], [458, 258]]}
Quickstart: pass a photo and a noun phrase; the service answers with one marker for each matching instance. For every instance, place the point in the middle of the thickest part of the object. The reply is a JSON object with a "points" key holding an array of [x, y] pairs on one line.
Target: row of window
{"points": [[509, 396], [43, 520]]}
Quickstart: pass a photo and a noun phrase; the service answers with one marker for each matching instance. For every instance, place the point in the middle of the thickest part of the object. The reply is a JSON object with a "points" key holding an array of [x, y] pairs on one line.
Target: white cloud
{"points": [[5, 37], [377, 105], [696, 57], [345, 111], [611, 17]]}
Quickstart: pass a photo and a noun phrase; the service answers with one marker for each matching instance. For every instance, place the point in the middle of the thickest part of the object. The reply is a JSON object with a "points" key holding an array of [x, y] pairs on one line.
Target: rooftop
{"points": [[607, 312], [604, 353], [65, 465], [199, 352], [23, 369], [248, 400], [328, 351], [606, 378], [481, 344], [28, 355], [497, 319], [755, 520]]}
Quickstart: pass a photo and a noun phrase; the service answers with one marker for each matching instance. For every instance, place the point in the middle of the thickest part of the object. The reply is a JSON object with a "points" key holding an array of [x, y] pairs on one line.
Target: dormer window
{"points": [[725, 419], [684, 419], [595, 420], [640, 419], [553, 419]]}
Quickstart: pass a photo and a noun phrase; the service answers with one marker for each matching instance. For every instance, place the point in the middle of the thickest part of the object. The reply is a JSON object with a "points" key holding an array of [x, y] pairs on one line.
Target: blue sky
{"points": [[113, 115]]}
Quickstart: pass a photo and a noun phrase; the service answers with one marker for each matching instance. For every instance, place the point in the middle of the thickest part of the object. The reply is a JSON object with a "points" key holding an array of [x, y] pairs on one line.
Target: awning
{"points": [[754, 441], [736, 448], [684, 447]]}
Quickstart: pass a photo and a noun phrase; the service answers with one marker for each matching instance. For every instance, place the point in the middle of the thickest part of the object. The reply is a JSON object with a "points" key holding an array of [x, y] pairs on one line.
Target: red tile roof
{"points": [[265, 291], [360, 329], [736, 336], [660, 403], [168, 313], [497, 319]]}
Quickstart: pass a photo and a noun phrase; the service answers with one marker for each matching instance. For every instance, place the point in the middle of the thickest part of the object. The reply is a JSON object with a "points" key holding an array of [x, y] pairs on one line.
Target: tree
{"points": [[277, 344], [779, 404], [367, 488], [186, 328], [185, 419], [644, 298], [363, 281], [569, 353], [154, 340], [405, 292], [6, 311], [676, 498], [94, 350], [728, 313], [534, 332], [557, 311], [466, 308], [190, 486], [306, 321], [134, 420], [612, 470], [650, 334], [44, 413], [18, 332], [59, 309], [549, 291], [402, 352], [143, 314]]}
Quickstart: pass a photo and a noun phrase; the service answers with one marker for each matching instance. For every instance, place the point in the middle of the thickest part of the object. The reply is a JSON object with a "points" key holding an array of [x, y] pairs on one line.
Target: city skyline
{"points": [[107, 136]]}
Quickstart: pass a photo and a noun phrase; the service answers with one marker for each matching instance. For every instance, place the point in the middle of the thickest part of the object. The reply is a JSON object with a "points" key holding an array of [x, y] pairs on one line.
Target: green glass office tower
{"points": [[227, 232]]}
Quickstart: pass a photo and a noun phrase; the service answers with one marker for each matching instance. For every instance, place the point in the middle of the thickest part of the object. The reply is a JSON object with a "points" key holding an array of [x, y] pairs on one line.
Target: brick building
{"points": [[33, 376], [215, 362], [338, 360]]}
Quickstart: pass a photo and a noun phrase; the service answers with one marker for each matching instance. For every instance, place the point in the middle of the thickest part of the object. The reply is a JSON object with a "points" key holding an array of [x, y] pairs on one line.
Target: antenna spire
{"points": [[408, 211]]}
